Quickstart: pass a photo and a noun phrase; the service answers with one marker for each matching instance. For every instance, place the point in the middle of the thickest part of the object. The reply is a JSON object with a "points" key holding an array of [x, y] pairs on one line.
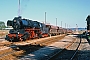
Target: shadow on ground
{"points": [[34, 52], [47, 52]]}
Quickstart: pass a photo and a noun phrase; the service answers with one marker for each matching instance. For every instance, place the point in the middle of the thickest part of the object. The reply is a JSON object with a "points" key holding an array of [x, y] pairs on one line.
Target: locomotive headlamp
{"points": [[18, 32], [14, 20]]}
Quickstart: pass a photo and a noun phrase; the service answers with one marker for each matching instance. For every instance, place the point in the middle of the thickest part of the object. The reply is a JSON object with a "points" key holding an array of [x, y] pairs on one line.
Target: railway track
{"points": [[65, 54], [73, 56], [48, 41], [20, 49]]}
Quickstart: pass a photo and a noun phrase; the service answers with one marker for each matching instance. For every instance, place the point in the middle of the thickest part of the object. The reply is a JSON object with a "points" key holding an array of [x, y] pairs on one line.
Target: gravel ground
{"points": [[3, 40], [67, 54], [84, 51], [3, 33], [22, 51], [44, 53]]}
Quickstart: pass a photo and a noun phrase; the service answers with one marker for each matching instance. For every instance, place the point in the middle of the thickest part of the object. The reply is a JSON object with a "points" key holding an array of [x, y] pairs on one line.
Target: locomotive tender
{"points": [[88, 22], [24, 29], [87, 33]]}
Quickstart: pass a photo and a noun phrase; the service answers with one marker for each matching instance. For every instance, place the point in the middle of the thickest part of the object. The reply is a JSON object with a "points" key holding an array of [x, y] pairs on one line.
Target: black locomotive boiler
{"points": [[24, 29]]}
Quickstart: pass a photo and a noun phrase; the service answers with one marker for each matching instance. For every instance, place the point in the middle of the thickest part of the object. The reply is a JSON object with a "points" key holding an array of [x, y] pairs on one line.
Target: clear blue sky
{"points": [[71, 12]]}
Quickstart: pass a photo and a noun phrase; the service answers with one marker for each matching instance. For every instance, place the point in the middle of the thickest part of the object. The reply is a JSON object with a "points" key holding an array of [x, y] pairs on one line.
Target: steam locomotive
{"points": [[25, 29]]}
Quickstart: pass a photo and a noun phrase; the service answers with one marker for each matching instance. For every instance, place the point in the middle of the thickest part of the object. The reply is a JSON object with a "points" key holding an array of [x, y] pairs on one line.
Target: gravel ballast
{"points": [[46, 52]]}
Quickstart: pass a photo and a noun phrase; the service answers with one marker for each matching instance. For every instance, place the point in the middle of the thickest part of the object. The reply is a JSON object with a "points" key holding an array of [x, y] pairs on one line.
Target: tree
{"points": [[2, 25]]}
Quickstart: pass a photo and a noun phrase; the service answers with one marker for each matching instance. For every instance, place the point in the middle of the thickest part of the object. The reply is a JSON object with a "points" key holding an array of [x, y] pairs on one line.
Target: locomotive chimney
{"points": [[45, 17]]}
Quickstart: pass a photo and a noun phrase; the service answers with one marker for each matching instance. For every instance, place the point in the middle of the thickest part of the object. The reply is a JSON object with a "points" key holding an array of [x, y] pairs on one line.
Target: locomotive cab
{"points": [[9, 23]]}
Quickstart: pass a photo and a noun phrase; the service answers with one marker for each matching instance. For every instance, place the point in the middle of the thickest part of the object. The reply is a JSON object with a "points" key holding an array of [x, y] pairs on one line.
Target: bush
{"points": [[2, 25]]}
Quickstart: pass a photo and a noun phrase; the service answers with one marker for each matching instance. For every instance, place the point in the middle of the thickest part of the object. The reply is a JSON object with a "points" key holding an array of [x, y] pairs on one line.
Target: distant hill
{"points": [[78, 29]]}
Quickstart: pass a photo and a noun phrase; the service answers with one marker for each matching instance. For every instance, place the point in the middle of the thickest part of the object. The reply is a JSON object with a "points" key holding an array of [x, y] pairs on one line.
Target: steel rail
{"points": [[76, 49], [61, 51]]}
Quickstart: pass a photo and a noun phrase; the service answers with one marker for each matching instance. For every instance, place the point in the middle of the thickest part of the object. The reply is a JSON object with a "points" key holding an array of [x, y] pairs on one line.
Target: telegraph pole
{"points": [[76, 27], [19, 8], [69, 26], [61, 23], [56, 21], [65, 25], [45, 17]]}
